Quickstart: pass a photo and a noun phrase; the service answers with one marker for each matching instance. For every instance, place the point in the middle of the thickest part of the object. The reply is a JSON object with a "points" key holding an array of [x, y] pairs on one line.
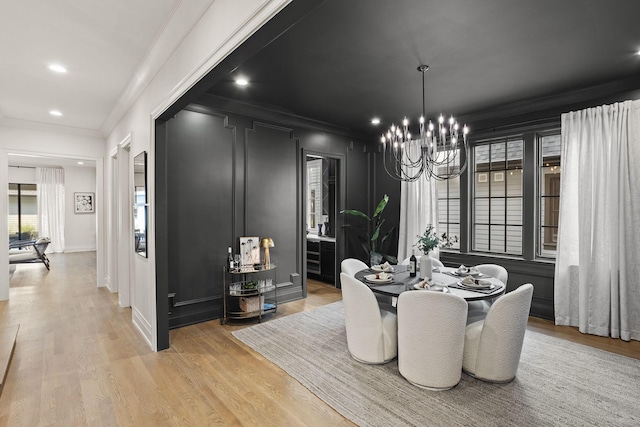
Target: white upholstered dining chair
{"points": [[492, 346], [494, 270], [372, 333], [351, 266], [431, 328], [478, 309]]}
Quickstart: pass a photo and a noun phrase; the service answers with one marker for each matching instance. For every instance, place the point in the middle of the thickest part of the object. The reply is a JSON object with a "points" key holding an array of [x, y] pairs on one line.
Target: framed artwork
{"points": [[249, 251], [84, 202]]}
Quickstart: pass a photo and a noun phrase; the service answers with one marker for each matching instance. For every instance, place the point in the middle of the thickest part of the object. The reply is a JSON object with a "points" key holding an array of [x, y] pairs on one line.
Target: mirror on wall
{"points": [[140, 203]]}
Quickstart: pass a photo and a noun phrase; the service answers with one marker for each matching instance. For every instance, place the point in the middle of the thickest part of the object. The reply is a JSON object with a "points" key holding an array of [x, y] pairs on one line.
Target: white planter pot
{"points": [[425, 267]]}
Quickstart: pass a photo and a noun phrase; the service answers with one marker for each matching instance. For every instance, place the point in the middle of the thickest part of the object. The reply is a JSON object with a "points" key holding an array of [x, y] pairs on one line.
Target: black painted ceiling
{"points": [[351, 60]]}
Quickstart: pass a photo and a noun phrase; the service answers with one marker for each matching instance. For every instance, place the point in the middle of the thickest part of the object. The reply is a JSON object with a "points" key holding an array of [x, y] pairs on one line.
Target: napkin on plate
{"points": [[462, 269], [471, 282], [383, 267], [468, 280], [383, 276], [424, 284]]}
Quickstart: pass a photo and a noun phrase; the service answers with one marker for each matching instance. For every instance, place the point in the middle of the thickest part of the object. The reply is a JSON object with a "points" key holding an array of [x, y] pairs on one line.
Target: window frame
{"points": [[491, 172], [530, 134], [445, 226], [539, 195], [20, 187]]}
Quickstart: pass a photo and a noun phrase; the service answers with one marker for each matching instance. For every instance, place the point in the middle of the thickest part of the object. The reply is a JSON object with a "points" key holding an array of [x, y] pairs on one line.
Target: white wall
{"points": [[80, 229], [224, 26], [51, 141]]}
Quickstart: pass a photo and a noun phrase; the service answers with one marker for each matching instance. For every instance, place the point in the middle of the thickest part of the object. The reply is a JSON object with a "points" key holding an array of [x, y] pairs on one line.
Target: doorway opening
{"points": [[321, 216]]}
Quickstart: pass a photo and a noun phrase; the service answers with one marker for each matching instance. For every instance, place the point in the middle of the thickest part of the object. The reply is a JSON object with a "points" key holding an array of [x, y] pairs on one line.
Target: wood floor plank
{"points": [[79, 361]]}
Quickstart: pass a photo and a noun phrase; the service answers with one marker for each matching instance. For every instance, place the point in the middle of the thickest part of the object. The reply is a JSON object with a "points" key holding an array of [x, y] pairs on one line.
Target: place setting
{"points": [[431, 286], [380, 278], [469, 283], [383, 268], [463, 271]]}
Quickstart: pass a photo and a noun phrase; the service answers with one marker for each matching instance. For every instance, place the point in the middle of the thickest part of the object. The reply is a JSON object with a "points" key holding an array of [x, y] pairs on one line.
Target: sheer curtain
{"points": [[51, 204], [597, 265], [418, 208]]}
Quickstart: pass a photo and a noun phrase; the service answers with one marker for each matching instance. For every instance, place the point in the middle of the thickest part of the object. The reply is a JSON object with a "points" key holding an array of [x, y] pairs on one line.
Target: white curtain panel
{"points": [[598, 265], [418, 208], [51, 206]]}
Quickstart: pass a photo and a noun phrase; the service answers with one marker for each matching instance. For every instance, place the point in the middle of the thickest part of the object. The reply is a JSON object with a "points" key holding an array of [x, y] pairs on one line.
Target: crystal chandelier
{"points": [[440, 151]]}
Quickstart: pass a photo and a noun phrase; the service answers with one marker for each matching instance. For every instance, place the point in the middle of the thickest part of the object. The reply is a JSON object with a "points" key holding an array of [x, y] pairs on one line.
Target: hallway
{"points": [[80, 361]]}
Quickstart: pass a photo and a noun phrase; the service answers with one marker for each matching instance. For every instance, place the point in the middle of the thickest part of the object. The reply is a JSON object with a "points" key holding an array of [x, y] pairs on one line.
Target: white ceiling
{"points": [[100, 42]]}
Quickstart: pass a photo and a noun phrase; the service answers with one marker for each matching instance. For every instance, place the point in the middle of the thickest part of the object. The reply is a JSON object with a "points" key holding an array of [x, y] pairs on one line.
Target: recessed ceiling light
{"points": [[81, 163], [57, 68], [242, 82], [375, 121], [55, 113]]}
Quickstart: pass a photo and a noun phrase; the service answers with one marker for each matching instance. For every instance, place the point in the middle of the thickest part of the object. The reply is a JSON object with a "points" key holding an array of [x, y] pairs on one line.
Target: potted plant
{"points": [[430, 240], [371, 236], [427, 242]]}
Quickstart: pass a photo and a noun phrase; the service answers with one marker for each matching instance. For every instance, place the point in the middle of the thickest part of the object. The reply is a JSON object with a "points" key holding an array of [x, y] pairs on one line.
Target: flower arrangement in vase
{"points": [[429, 241]]}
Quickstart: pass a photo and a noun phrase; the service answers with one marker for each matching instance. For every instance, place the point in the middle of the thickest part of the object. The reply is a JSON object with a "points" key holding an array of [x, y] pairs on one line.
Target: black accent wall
{"points": [[220, 176]]}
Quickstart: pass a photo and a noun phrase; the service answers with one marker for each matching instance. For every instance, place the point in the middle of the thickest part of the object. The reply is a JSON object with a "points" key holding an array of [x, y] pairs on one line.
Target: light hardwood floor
{"points": [[80, 361]]}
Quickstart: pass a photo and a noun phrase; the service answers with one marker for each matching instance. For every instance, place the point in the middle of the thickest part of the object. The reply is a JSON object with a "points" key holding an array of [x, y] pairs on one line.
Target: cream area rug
{"points": [[559, 383]]}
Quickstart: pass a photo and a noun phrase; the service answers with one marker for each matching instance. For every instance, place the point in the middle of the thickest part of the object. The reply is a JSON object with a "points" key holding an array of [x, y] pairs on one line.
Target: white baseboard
{"points": [[80, 249], [143, 326], [108, 284]]}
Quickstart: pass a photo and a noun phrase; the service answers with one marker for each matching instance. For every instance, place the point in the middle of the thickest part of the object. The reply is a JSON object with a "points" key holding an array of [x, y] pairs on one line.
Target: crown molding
{"points": [[48, 127]]}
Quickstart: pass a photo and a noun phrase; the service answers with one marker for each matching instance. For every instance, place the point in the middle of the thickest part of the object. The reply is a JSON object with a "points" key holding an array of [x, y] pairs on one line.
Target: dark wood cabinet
{"points": [[321, 260], [313, 257], [327, 262]]}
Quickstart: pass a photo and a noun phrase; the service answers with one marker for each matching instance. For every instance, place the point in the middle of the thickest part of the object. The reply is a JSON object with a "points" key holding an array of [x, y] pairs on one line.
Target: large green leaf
{"points": [[387, 235], [355, 213], [381, 206], [376, 231]]}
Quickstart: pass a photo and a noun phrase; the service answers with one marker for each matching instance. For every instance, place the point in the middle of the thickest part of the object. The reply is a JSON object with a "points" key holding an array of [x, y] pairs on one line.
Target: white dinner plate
{"points": [[483, 286], [380, 269], [372, 279]]}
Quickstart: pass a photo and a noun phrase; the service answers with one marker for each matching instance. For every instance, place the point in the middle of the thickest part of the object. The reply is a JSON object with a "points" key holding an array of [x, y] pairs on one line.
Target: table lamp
{"points": [[267, 243]]}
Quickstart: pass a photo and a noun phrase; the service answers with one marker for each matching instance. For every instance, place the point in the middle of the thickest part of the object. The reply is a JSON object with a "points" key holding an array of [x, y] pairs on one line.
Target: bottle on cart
{"points": [[412, 263], [230, 261]]}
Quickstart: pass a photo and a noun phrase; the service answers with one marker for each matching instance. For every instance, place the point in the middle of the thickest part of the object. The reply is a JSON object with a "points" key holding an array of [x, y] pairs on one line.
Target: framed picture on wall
{"points": [[84, 202], [249, 251]]}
